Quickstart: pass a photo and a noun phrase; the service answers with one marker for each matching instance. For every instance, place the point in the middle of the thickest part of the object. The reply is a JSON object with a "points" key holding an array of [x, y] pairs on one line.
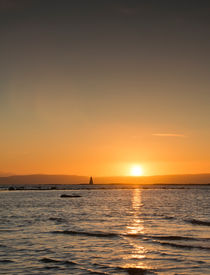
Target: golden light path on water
{"points": [[134, 228]]}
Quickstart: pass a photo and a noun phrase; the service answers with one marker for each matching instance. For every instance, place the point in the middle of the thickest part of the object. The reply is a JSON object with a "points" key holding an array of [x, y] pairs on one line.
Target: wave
{"points": [[174, 238], [100, 234], [129, 235], [3, 246], [92, 234], [166, 238], [137, 271], [133, 235], [66, 262], [183, 246], [8, 230], [132, 270], [51, 267], [94, 272], [49, 260], [6, 261], [198, 222], [169, 218], [57, 219]]}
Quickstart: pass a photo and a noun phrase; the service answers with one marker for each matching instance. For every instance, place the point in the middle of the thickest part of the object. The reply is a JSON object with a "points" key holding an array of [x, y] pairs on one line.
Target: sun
{"points": [[136, 170]]}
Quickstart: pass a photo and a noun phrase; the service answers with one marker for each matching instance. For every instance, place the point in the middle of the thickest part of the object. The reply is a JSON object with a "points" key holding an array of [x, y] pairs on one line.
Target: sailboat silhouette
{"points": [[91, 180]]}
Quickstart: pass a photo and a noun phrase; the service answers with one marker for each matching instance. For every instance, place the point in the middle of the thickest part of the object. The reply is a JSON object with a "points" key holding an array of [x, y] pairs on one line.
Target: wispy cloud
{"points": [[169, 135]]}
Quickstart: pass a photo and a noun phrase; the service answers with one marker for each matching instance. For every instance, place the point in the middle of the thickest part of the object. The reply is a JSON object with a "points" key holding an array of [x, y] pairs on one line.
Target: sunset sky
{"points": [[94, 87]]}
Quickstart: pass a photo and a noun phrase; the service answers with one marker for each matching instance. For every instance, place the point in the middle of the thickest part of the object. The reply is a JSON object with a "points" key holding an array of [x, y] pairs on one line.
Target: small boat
{"points": [[91, 180]]}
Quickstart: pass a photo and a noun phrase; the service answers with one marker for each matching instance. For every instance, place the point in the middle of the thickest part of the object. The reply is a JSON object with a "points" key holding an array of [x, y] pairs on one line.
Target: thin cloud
{"points": [[169, 135]]}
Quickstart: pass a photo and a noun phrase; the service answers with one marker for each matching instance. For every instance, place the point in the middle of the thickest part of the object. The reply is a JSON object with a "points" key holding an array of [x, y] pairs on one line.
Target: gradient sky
{"points": [[92, 87]]}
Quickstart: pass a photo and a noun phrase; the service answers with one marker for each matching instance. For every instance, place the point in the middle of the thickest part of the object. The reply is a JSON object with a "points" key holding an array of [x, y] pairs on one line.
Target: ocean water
{"points": [[158, 230]]}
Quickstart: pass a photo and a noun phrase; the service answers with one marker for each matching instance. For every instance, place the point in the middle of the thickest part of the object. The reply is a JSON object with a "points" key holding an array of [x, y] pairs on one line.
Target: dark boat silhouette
{"points": [[91, 180]]}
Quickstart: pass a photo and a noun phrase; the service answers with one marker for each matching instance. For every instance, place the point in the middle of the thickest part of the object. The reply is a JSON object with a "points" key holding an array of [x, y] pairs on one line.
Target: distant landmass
{"points": [[43, 179], [3, 174], [73, 179]]}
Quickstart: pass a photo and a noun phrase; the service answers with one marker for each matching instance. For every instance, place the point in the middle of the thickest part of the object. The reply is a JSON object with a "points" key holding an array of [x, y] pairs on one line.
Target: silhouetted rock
{"points": [[20, 188], [11, 188], [136, 271], [69, 196]]}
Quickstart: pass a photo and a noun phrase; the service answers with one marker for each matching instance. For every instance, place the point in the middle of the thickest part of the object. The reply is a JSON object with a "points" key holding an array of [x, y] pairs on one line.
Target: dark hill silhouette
{"points": [[43, 179], [3, 174]]}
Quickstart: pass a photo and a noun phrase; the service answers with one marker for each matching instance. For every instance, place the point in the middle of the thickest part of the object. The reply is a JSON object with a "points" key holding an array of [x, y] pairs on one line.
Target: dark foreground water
{"points": [[107, 231]]}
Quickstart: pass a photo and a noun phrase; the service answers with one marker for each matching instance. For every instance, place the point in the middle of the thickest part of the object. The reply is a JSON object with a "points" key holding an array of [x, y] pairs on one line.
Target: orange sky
{"points": [[84, 95]]}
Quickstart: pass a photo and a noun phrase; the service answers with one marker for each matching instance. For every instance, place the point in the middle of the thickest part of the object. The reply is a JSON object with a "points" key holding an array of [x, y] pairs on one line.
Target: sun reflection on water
{"points": [[136, 229], [136, 226]]}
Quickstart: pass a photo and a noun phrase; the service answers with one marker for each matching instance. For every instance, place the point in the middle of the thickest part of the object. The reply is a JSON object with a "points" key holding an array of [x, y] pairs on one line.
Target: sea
{"points": [[106, 229]]}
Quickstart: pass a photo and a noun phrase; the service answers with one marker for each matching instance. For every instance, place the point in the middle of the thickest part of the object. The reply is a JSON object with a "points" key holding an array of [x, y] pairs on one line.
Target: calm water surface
{"points": [[107, 231]]}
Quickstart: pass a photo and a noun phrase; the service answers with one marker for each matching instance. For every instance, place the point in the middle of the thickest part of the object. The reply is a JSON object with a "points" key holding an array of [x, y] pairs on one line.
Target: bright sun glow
{"points": [[136, 170]]}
